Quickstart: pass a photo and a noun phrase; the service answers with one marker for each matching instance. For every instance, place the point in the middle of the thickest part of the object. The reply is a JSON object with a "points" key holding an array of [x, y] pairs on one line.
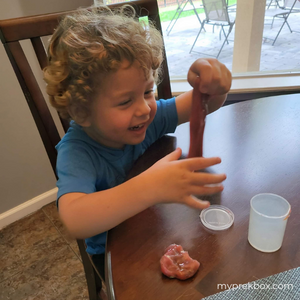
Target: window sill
{"points": [[248, 84]]}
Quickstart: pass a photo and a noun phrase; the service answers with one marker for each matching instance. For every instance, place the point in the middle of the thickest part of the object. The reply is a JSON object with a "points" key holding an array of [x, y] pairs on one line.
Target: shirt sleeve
{"points": [[75, 170], [165, 121]]}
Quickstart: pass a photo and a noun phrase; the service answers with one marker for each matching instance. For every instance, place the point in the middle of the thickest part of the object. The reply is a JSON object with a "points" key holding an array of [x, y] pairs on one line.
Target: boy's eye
{"points": [[149, 92], [125, 102]]}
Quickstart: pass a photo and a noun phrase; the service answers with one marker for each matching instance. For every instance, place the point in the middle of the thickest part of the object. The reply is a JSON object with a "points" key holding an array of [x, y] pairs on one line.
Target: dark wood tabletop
{"points": [[259, 144]]}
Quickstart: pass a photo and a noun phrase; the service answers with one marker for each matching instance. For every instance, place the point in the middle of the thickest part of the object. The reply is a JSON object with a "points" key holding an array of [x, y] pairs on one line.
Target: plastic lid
{"points": [[217, 217]]}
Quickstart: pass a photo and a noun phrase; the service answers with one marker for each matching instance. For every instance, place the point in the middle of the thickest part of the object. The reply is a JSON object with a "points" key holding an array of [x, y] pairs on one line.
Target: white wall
{"points": [[25, 169]]}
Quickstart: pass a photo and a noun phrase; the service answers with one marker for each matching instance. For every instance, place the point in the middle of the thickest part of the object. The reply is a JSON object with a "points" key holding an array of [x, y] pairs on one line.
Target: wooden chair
{"points": [[32, 28]]}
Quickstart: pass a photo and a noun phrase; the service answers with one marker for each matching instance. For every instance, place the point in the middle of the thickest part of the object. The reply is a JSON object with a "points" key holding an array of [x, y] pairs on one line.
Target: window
{"points": [[248, 52], [250, 44]]}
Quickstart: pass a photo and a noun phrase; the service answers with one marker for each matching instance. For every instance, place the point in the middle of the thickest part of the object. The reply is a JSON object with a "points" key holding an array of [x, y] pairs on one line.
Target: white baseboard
{"points": [[27, 208]]}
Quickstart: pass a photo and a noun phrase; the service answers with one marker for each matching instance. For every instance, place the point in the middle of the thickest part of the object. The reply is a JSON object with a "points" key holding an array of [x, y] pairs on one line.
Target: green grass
{"points": [[166, 14]]}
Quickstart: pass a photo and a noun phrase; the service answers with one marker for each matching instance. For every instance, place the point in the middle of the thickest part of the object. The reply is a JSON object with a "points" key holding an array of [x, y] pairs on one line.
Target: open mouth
{"points": [[138, 127]]}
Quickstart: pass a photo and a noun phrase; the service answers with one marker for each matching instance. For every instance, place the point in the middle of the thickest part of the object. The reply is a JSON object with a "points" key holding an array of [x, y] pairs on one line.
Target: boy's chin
{"points": [[136, 141]]}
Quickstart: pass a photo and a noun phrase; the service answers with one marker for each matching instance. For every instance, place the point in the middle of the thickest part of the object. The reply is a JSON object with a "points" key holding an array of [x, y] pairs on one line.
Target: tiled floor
{"points": [[38, 261]]}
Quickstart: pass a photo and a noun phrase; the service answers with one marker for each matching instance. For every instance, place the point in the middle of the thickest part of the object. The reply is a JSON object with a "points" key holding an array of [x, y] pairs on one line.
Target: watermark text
{"points": [[255, 286]]}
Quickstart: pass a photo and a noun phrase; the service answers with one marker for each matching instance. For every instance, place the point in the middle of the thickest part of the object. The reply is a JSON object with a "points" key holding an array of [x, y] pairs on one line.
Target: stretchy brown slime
{"points": [[197, 121]]}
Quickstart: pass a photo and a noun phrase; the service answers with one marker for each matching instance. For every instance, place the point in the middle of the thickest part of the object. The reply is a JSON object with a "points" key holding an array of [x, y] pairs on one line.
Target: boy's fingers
{"points": [[194, 202], [206, 178], [207, 189], [215, 76], [174, 155], [200, 65], [199, 163]]}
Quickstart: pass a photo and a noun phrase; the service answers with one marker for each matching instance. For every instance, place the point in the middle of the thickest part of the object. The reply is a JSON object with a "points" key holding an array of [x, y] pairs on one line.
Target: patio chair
{"points": [[180, 8], [272, 3], [283, 12], [216, 13], [33, 28]]}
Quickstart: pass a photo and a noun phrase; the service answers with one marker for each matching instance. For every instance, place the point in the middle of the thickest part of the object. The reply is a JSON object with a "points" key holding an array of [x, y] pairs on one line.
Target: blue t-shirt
{"points": [[85, 166]]}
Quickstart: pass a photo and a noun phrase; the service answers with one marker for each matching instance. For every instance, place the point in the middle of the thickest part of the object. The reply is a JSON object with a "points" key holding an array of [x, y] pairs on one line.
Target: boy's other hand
{"points": [[174, 180], [215, 78]]}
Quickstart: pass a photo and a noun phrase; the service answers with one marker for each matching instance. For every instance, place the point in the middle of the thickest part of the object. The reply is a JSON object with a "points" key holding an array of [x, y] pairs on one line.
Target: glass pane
{"points": [[284, 53], [181, 24], [281, 57]]}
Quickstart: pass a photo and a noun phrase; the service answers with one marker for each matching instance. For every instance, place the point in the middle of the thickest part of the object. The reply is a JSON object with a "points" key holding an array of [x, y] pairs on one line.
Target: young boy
{"points": [[101, 75]]}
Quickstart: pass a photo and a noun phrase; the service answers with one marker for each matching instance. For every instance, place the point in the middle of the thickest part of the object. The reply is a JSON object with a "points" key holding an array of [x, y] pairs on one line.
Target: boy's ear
{"points": [[84, 122]]}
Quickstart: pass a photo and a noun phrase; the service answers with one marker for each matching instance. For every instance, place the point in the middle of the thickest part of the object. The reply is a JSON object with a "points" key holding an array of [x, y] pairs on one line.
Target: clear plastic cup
{"points": [[268, 218]]}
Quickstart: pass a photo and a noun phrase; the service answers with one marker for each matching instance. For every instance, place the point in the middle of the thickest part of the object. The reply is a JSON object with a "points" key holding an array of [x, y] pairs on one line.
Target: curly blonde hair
{"points": [[90, 43]]}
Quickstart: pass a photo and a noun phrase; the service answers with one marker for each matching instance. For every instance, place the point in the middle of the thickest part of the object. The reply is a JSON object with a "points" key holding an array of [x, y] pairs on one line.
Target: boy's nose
{"points": [[143, 108]]}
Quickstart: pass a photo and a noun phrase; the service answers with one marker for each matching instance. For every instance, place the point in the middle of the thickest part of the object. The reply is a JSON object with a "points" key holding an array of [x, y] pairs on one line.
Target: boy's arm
{"points": [[215, 80], [168, 180], [86, 215]]}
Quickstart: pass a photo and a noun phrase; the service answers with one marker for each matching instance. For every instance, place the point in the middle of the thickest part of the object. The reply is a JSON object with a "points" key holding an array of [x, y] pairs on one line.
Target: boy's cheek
{"points": [[153, 113], [154, 108]]}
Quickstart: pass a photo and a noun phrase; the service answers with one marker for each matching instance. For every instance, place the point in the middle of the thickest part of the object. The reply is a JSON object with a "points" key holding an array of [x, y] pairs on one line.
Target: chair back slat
{"points": [[40, 51], [29, 27], [23, 28], [34, 98], [164, 88]]}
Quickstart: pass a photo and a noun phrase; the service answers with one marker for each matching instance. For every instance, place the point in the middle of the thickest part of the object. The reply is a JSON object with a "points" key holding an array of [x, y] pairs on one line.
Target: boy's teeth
{"points": [[136, 127]]}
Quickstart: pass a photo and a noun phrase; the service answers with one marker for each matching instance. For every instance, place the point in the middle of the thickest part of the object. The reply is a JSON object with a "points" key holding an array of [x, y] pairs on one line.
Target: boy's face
{"points": [[123, 110]]}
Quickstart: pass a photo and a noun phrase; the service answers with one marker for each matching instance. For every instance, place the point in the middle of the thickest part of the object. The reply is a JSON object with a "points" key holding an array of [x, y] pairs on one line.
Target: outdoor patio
{"points": [[283, 56]]}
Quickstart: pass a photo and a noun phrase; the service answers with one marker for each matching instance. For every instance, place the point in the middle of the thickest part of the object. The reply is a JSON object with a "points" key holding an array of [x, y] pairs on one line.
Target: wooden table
{"points": [[259, 143]]}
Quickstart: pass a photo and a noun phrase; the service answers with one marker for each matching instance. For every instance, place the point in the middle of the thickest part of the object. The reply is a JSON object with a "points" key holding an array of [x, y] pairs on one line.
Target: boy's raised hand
{"points": [[215, 78], [174, 180]]}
